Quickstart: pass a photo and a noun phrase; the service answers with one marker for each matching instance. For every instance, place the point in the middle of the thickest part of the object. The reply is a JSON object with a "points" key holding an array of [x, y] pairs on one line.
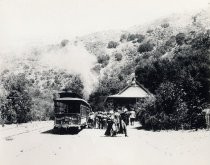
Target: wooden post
{"points": [[207, 116]]}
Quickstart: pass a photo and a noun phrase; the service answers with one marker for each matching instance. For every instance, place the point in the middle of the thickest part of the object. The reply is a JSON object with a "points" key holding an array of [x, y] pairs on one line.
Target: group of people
{"points": [[114, 121]]}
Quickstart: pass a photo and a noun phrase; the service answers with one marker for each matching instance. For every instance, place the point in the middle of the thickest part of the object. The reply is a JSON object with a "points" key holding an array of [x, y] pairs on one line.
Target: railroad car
{"points": [[71, 111]]}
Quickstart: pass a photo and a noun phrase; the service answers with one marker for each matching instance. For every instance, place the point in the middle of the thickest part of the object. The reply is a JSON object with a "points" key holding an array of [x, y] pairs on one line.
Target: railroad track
{"points": [[8, 129], [11, 136]]}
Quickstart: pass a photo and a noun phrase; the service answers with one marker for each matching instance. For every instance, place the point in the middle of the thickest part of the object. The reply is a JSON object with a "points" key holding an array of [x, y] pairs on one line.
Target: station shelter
{"points": [[129, 96]]}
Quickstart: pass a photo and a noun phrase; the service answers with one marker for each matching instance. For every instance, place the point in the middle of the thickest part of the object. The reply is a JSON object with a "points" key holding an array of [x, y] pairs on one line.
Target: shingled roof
{"points": [[134, 90]]}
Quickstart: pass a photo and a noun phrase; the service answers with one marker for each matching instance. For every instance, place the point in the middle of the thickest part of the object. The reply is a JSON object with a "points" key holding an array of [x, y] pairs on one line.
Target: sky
{"points": [[49, 21]]}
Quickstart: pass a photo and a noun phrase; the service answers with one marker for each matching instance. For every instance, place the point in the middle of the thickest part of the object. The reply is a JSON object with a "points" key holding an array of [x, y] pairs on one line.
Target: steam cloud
{"points": [[72, 57]]}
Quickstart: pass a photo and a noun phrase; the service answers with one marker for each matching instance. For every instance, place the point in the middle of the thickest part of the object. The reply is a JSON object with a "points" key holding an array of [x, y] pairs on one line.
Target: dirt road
{"points": [[34, 144]]}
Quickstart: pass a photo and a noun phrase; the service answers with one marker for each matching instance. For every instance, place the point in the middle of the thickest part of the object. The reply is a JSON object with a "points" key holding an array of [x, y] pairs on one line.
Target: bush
{"points": [[64, 43], [118, 56], [171, 42], [145, 47], [165, 25], [123, 37], [202, 41], [112, 44], [103, 59], [131, 37], [150, 31], [135, 37], [180, 37], [140, 38]]}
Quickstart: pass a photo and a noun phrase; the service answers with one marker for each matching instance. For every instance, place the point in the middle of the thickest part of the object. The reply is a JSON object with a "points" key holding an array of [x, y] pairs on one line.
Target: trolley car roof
{"points": [[72, 99]]}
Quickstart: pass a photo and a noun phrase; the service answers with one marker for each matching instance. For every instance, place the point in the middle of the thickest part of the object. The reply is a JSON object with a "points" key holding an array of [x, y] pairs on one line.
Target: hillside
{"points": [[101, 63], [157, 33]]}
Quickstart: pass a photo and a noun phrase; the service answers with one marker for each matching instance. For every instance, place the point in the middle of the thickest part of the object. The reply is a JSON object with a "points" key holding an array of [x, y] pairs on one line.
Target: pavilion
{"points": [[130, 95]]}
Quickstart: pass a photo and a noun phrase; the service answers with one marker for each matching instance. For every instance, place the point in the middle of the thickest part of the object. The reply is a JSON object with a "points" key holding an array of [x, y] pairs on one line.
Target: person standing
{"points": [[123, 127], [132, 116], [125, 116]]}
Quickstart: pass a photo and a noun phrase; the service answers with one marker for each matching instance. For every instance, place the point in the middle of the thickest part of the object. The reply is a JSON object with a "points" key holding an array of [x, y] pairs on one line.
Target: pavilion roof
{"points": [[134, 90]]}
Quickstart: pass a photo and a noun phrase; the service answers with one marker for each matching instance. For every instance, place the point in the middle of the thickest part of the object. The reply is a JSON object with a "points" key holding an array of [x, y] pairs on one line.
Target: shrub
{"points": [[123, 37], [150, 31], [165, 25], [135, 38], [103, 59], [180, 37], [171, 42], [112, 44], [145, 47], [64, 43], [202, 41], [140, 38], [118, 56], [131, 37]]}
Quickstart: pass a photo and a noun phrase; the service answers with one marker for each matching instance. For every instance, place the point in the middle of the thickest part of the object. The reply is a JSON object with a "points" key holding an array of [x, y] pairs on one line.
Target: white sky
{"points": [[23, 21]]}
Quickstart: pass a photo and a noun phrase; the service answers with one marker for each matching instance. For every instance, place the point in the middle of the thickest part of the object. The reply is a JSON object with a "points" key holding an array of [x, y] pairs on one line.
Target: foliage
{"points": [[29, 95], [181, 87], [75, 85], [145, 47], [103, 60], [112, 44], [180, 38], [137, 37], [123, 37], [108, 85], [64, 43], [16, 108], [165, 25], [171, 41], [118, 56]]}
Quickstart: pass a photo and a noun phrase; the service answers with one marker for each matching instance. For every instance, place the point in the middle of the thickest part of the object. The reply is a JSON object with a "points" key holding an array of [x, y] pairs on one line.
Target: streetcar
{"points": [[71, 111]]}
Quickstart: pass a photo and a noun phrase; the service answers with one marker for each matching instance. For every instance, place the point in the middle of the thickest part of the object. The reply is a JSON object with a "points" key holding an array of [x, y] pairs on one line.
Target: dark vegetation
{"points": [[176, 71], [28, 96], [112, 44], [145, 47], [132, 37], [181, 86], [103, 60], [174, 65]]}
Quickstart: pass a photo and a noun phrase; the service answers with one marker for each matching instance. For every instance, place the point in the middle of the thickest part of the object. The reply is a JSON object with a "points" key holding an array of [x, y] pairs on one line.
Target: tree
{"points": [[181, 85], [17, 106], [75, 85]]}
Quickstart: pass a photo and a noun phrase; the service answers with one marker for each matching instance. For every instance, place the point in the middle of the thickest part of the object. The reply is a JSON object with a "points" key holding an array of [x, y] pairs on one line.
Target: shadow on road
{"points": [[138, 128], [117, 136], [62, 131]]}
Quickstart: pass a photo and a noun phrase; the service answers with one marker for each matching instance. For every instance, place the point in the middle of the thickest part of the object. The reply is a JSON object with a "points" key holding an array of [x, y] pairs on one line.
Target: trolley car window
{"points": [[84, 110], [66, 107]]}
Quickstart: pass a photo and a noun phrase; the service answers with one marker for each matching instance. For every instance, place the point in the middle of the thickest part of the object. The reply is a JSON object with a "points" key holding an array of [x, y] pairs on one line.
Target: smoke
{"points": [[69, 56], [75, 59]]}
